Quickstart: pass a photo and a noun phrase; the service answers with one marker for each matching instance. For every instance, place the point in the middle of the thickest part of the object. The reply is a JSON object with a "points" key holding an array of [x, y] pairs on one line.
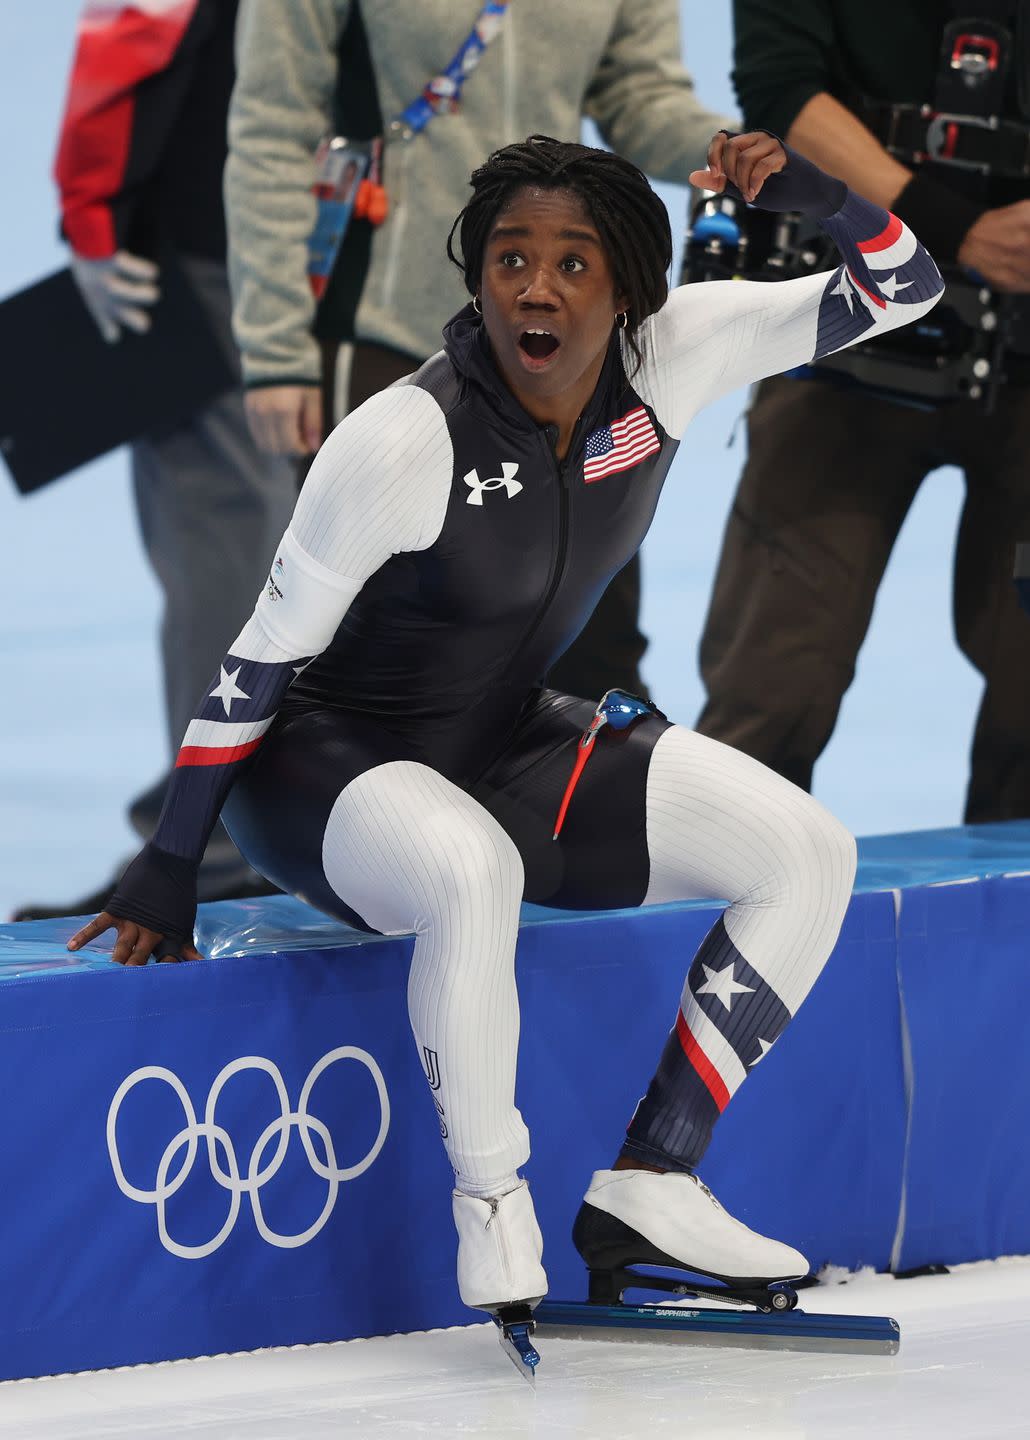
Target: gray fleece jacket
{"points": [[616, 61]]}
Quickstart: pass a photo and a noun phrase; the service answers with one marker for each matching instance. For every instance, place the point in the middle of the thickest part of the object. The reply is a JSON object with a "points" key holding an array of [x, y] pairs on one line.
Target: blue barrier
{"points": [[964, 969], [156, 1203]]}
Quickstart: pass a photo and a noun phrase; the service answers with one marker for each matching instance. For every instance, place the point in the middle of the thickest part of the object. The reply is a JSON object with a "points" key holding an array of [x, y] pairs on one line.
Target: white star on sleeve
{"points": [[890, 285], [722, 985], [227, 690], [843, 287]]}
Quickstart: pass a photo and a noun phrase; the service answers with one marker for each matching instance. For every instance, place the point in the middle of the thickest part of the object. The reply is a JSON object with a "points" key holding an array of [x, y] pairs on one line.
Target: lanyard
{"points": [[442, 95], [368, 199]]}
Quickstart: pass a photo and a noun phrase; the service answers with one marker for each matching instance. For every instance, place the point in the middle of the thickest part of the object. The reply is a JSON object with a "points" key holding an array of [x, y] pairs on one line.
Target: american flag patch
{"points": [[620, 445]]}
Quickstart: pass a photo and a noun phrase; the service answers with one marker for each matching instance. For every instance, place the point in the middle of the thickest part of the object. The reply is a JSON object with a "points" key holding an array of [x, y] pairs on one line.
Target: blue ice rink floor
{"points": [[960, 1375]]}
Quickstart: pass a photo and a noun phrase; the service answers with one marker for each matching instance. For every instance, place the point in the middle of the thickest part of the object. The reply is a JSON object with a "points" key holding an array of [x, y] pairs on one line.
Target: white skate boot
{"points": [[674, 1223], [499, 1250], [499, 1269], [641, 1217]]}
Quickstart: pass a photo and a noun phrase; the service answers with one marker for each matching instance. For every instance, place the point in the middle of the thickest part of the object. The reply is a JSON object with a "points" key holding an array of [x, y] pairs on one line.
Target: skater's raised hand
{"points": [[746, 161], [135, 943]]}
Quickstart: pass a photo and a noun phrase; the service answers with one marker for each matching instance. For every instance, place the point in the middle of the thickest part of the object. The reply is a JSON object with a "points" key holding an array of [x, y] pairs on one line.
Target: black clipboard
{"points": [[67, 396]]}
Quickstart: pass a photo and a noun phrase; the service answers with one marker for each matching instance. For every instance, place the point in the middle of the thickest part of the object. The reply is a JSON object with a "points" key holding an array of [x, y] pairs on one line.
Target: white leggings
{"points": [[410, 851]]}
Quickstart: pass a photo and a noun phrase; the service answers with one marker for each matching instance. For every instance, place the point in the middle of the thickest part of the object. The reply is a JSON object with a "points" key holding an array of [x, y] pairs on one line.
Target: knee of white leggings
{"points": [[787, 925], [722, 825], [407, 849], [472, 867], [819, 856]]}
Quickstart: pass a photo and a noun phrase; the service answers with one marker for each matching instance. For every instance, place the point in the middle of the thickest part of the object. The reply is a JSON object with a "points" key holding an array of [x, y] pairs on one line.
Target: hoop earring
{"points": [[622, 319], [475, 305]]}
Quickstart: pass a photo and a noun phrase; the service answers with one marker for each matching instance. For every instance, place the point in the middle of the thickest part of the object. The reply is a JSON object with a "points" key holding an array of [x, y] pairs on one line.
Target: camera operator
{"points": [[925, 109]]}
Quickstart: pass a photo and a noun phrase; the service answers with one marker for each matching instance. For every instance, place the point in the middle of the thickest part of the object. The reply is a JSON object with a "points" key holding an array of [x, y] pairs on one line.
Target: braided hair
{"points": [[631, 220]]}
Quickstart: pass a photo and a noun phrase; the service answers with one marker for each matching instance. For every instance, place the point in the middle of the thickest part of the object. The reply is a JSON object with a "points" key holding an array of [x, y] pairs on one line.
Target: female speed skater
{"points": [[381, 743]]}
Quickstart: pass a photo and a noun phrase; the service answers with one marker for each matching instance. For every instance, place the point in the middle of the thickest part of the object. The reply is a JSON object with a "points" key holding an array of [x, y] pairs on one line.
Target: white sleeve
{"points": [[379, 486], [711, 337], [708, 338]]}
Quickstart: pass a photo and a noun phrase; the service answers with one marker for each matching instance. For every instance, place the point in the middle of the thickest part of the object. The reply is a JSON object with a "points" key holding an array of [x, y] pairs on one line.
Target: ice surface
{"points": [[961, 1372]]}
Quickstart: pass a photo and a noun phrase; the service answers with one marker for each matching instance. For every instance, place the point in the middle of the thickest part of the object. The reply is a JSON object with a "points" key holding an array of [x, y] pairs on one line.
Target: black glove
{"points": [[159, 892], [800, 185]]}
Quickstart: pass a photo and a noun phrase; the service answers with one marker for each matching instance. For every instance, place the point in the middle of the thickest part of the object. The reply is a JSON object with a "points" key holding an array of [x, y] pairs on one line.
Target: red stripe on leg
{"points": [[884, 240], [701, 1063]]}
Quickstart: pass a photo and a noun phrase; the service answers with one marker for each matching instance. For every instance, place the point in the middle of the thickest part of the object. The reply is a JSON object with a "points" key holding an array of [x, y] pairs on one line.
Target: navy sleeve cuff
{"points": [[800, 185]]}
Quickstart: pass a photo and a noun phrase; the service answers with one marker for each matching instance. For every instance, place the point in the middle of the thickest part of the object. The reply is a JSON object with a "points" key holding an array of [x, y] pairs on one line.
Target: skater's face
{"points": [[548, 296]]}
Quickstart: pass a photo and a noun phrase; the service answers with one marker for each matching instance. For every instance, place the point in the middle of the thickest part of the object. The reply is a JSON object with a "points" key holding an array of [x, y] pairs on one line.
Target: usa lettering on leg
{"points": [[431, 1066]]}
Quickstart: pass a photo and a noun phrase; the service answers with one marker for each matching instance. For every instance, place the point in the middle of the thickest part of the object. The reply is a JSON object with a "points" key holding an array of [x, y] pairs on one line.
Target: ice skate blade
{"points": [[665, 1324], [514, 1336]]}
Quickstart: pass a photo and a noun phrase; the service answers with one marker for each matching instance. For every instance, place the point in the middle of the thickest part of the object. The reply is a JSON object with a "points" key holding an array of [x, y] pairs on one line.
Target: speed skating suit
{"points": [[381, 744]]}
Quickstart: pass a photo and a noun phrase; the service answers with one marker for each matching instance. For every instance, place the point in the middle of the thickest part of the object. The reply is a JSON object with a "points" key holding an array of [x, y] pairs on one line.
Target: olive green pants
{"points": [[830, 477]]}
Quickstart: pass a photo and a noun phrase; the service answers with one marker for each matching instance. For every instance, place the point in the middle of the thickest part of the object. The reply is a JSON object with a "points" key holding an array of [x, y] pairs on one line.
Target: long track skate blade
{"points": [[519, 1348], [794, 1330]]}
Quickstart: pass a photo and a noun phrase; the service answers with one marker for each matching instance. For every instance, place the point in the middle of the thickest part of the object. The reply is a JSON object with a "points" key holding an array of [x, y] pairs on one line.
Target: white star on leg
{"points": [[227, 690], [722, 985], [765, 1046]]}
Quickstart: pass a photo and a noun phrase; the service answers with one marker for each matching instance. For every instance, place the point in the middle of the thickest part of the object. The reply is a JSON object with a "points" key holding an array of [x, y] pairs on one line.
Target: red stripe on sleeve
{"points": [[215, 755], [876, 299], [701, 1063], [884, 240]]}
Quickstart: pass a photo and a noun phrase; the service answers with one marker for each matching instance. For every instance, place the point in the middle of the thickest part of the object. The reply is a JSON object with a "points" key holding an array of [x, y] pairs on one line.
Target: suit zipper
{"points": [[560, 467]]}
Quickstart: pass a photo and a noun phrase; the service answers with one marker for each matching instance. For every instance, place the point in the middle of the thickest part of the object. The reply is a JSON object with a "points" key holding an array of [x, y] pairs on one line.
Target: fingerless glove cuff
{"points": [[799, 186], [158, 891]]}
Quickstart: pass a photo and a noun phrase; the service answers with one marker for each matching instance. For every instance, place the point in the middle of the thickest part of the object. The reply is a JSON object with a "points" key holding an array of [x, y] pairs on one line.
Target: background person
{"points": [[333, 66], [139, 170], [832, 471], [382, 744]]}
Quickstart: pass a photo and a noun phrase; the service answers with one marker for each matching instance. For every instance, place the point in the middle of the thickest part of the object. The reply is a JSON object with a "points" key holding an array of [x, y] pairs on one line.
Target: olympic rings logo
{"points": [[259, 1172]]}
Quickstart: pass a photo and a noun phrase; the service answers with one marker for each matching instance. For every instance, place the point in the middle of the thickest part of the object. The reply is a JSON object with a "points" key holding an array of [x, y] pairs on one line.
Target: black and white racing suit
{"points": [[383, 748]]}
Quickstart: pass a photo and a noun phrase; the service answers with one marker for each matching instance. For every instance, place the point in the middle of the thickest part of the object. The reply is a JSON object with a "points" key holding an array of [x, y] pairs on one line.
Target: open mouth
{"points": [[538, 344]]}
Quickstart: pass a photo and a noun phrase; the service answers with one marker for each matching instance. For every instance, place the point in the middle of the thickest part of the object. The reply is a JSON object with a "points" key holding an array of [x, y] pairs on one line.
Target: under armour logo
{"points": [[507, 479]]}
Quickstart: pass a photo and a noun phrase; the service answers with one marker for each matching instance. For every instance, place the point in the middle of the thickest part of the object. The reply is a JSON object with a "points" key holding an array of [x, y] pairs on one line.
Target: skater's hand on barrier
{"points": [[135, 943], [117, 291], [997, 247], [285, 419], [746, 161]]}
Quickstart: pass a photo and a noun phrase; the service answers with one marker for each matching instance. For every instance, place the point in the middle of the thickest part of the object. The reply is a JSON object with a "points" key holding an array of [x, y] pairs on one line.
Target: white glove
{"points": [[115, 290]]}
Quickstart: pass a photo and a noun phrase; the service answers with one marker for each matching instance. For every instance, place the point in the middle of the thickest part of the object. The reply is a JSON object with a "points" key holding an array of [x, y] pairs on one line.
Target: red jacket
{"points": [[142, 148]]}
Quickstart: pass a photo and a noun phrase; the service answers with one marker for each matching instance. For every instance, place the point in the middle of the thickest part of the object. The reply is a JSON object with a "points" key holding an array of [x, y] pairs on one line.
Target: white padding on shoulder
{"points": [[379, 485]]}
